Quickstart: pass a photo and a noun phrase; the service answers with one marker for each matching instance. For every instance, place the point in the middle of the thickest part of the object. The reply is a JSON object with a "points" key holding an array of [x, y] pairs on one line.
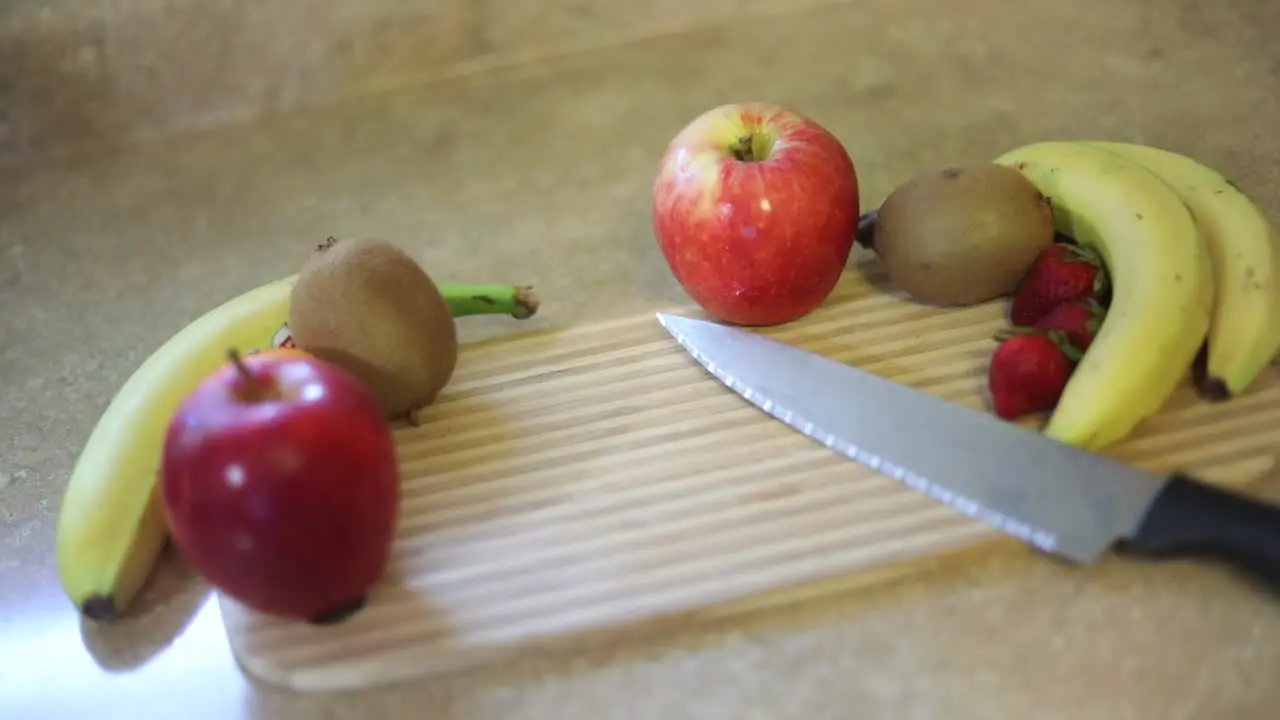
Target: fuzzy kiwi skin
{"points": [[366, 305], [962, 235]]}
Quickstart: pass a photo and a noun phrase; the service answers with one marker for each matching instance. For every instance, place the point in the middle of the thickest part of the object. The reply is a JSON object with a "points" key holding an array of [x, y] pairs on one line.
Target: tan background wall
{"points": [[84, 73]]}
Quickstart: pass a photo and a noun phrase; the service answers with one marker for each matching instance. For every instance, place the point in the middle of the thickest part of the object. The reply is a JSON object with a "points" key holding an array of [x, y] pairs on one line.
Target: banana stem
{"points": [[518, 301]]}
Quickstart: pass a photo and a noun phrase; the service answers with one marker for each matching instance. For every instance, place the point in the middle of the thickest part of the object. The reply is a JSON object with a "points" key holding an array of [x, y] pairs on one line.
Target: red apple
{"points": [[280, 479], [755, 208]]}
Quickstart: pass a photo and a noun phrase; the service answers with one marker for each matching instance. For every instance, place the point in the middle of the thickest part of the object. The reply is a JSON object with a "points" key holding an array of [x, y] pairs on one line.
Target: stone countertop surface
{"points": [[540, 173]]}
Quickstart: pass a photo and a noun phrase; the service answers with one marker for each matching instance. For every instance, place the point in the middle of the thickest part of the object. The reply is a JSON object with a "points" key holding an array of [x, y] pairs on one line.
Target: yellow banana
{"points": [[1161, 278], [111, 525], [1244, 334]]}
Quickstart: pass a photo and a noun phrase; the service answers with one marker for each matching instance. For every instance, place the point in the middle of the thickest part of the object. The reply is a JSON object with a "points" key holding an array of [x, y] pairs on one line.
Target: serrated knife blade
{"points": [[1063, 500]]}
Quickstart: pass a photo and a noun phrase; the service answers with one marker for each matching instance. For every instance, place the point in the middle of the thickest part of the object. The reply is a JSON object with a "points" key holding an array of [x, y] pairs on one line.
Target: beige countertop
{"points": [[540, 174]]}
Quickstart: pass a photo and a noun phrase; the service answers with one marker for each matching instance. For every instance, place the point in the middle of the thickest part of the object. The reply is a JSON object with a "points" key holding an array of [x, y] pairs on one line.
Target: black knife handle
{"points": [[1190, 518]]}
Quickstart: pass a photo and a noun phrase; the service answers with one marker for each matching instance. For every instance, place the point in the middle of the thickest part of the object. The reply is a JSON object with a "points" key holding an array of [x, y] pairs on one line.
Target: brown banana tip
{"points": [[1215, 390], [100, 608]]}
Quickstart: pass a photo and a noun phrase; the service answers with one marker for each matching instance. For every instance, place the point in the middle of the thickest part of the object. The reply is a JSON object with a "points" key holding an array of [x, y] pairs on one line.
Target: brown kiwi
{"points": [[962, 235], [367, 306]]}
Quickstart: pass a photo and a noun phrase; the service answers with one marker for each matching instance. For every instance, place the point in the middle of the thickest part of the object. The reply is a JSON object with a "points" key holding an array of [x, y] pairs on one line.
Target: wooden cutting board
{"points": [[595, 479]]}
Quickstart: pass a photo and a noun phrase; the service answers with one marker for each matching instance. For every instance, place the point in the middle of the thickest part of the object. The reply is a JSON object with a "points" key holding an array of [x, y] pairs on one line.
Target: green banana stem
{"points": [[518, 301]]}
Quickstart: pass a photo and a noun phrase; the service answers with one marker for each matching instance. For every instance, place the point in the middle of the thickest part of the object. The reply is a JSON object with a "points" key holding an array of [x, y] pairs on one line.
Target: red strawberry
{"points": [[1061, 273], [1074, 324], [1027, 374]]}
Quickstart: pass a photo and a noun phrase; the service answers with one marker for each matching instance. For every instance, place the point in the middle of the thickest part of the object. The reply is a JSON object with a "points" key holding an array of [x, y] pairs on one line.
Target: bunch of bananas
{"points": [[111, 524], [1192, 262]]}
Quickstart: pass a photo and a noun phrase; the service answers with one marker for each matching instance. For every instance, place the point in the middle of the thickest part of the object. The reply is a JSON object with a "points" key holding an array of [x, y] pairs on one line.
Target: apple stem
{"points": [[743, 150], [252, 385]]}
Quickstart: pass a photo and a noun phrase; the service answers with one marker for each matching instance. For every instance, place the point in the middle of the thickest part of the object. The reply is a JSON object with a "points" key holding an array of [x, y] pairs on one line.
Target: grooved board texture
{"points": [[593, 479]]}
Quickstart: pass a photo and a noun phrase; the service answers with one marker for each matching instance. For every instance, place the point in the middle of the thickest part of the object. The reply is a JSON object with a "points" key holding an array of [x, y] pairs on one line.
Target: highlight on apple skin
{"points": [[755, 208]]}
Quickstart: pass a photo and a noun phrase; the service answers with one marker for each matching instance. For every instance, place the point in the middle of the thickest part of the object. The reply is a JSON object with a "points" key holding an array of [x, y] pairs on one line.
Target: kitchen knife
{"points": [[1063, 500]]}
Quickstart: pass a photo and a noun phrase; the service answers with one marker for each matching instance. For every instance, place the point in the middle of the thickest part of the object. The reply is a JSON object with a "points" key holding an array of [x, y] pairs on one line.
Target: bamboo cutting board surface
{"points": [[577, 482]]}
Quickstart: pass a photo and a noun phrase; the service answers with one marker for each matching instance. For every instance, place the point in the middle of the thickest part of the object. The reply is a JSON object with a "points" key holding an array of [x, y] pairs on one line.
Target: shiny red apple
{"points": [[755, 208], [280, 479]]}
